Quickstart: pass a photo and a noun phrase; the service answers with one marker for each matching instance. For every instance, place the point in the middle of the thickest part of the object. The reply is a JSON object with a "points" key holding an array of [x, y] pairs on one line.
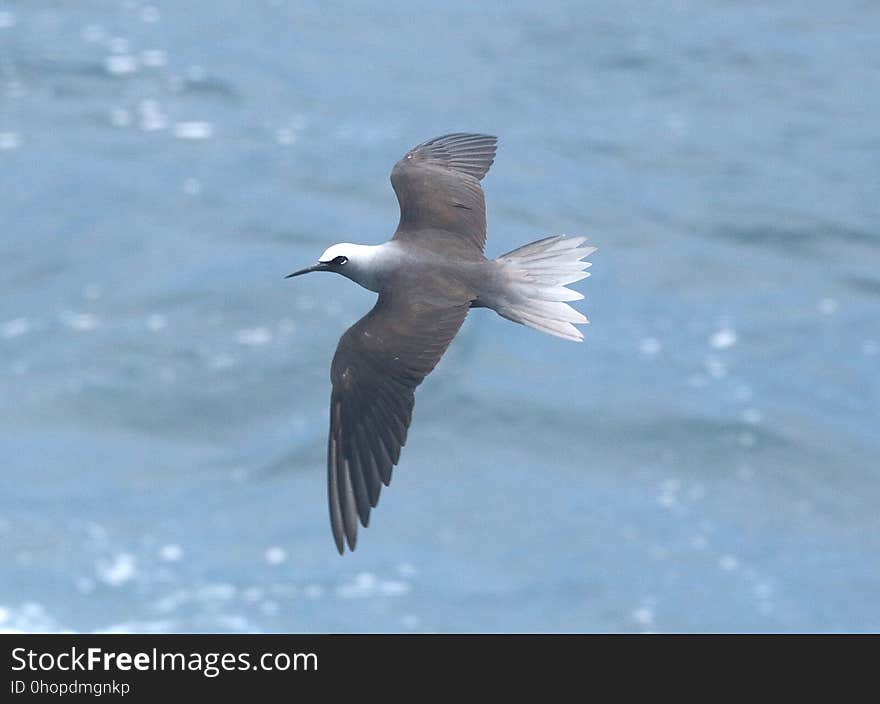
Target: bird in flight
{"points": [[428, 276]]}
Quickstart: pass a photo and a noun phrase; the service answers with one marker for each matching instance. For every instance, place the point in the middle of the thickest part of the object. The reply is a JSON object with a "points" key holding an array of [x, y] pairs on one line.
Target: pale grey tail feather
{"points": [[536, 291]]}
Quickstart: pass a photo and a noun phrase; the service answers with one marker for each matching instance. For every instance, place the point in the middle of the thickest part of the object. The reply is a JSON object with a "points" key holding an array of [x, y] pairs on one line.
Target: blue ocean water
{"points": [[706, 461]]}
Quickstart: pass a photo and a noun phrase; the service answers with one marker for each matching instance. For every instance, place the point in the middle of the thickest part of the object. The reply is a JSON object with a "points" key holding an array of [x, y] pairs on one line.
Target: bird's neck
{"points": [[371, 265]]}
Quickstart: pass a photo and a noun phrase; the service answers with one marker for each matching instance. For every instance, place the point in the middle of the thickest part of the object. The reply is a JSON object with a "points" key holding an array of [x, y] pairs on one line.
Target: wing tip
{"points": [[342, 539], [468, 153]]}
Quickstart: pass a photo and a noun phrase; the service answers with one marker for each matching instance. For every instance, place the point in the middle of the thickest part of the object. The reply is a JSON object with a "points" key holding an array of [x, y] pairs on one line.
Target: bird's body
{"points": [[428, 276]]}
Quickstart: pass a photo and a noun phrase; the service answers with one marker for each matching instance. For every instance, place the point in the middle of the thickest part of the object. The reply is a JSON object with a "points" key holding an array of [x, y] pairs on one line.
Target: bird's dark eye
{"points": [[339, 261]]}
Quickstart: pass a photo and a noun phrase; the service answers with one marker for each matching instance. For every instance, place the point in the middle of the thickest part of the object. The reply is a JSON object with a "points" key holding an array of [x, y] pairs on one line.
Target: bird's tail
{"points": [[536, 291]]}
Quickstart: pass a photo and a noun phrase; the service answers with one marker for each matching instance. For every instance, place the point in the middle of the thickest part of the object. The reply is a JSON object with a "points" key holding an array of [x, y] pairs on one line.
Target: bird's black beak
{"points": [[320, 266]]}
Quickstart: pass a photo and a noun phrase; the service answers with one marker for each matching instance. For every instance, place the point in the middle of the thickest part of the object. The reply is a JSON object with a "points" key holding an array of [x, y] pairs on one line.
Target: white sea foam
{"points": [[196, 129], [275, 555], [235, 622], [79, 321], [9, 141], [724, 338], [366, 585], [156, 322], [643, 616], [121, 64], [155, 626], [15, 328], [153, 58], [28, 617], [394, 587], [728, 563], [152, 117], [192, 186], [171, 552], [649, 346], [119, 45], [254, 337], [118, 570]]}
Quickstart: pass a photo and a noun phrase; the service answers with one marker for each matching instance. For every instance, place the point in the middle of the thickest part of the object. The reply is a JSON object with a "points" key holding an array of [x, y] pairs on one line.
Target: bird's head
{"points": [[353, 261]]}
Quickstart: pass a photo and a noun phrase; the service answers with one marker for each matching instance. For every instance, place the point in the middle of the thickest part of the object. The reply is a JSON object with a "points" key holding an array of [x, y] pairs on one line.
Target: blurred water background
{"points": [[707, 460]]}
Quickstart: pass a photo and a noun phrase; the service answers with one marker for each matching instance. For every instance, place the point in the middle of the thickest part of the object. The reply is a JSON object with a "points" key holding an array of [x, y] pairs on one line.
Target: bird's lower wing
{"points": [[378, 364]]}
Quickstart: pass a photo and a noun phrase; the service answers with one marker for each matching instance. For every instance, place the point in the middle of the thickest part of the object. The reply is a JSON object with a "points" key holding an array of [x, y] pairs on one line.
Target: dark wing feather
{"points": [[378, 364], [438, 187]]}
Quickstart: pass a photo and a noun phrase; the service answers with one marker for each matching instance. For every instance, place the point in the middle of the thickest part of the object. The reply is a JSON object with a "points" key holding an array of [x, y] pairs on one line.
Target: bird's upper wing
{"points": [[438, 186], [378, 364]]}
